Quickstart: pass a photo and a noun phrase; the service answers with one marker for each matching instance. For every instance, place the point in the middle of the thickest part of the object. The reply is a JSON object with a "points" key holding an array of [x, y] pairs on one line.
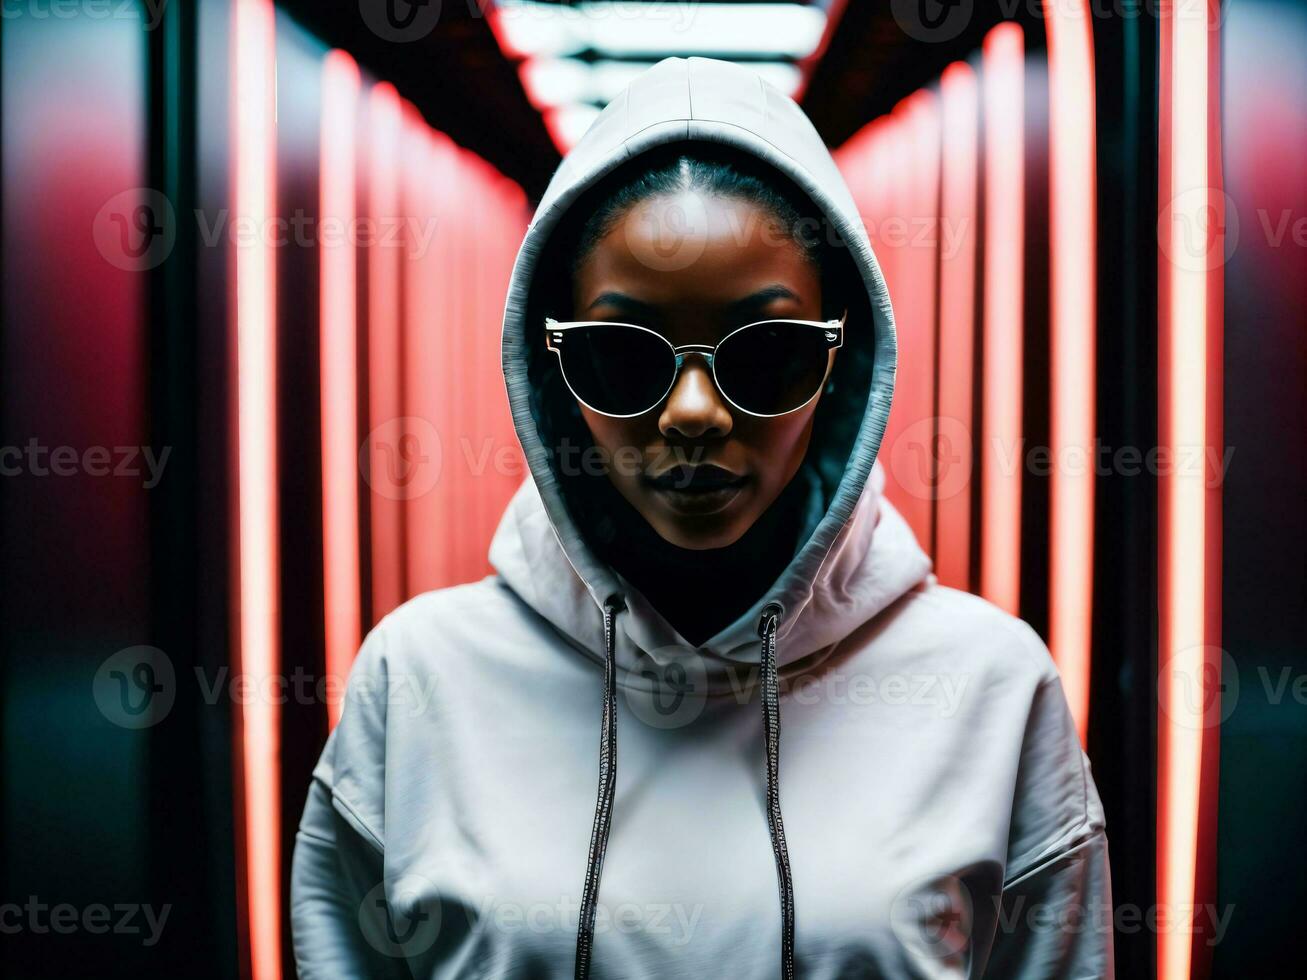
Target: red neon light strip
{"points": [[257, 654], [389, 461], [959, 101], [1003, 80], [434, 380], [1189, 415], [1072, 278], [339, 379], [911, 230], [462, 202]]}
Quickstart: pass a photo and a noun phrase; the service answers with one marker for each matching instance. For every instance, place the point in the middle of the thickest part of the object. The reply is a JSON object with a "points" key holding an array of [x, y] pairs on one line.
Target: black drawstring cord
{"points": [[608, 781], [772, 721], [604, 804]]}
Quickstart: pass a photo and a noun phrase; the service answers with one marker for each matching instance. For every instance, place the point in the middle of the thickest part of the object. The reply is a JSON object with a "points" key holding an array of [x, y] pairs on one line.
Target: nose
{"points": [[695, 408]]}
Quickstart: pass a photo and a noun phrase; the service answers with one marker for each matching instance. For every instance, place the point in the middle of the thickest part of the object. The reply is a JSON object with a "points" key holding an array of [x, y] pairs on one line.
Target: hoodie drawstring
{"points": [[772, 721], [603, 819], [604, 804]]}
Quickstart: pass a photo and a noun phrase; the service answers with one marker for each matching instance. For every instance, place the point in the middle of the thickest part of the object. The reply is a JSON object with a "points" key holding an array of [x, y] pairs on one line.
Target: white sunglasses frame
{"points": [[555, 331]]}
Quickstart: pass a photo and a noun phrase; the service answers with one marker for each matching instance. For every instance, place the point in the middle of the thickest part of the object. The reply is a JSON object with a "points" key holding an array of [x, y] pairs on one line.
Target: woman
{"points": [[699, 354]]}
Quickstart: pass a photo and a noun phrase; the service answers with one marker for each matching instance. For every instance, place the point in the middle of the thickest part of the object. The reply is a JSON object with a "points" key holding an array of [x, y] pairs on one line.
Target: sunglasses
{"points": [[768, 368]]}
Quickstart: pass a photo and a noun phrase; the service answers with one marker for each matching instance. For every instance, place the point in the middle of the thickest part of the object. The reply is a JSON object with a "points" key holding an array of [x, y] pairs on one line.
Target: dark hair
{"points": [[707, 172]]}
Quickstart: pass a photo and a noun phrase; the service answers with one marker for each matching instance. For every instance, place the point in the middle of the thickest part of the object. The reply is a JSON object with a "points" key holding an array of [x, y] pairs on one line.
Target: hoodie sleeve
{"points": [[1055, 915], [337, 903]]}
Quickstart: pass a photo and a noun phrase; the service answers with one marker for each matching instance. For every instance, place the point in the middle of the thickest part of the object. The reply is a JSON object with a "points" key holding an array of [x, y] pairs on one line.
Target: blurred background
{"points": [[255, 257]]}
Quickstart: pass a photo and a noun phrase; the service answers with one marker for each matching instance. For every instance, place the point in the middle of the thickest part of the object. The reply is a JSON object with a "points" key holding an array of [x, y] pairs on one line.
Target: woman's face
{"points": [[693, 268]]}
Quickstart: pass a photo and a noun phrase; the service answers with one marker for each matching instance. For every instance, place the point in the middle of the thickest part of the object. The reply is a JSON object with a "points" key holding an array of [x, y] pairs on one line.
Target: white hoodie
{"points": [[939, 815]]}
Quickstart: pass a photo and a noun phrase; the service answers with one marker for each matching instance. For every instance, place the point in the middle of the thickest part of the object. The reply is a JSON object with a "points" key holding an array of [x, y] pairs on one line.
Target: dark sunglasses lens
{"points": [[617, 369], [773, 367]]}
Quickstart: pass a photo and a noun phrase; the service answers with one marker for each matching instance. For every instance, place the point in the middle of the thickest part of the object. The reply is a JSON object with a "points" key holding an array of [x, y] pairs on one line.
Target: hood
{"points": [[860, 555]]}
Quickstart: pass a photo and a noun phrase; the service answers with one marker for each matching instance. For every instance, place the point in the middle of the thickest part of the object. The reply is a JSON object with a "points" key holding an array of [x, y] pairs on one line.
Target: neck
{"points": [[702, 592]]}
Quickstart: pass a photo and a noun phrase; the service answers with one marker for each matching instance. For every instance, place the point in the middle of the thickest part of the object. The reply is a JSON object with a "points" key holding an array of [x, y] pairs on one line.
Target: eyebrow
{"points": [[752, 301]]}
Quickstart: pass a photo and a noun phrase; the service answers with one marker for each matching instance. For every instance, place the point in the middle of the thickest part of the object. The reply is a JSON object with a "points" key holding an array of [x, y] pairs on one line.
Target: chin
{"points": [[698, 534]]}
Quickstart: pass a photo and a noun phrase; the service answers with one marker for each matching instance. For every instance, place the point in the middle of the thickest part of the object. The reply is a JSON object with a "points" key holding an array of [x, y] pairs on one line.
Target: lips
{"points": [[705, 478]]}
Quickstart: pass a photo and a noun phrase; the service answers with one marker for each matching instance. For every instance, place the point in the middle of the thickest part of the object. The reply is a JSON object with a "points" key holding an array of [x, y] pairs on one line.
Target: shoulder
{"points": [[453, 621], [1010, 710], [395, 690], [953, 630], [1055, 805], [488, 596], [404, 654]]}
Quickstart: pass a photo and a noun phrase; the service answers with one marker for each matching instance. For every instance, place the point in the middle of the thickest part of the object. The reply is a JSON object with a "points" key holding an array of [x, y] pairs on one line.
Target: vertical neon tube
{"points": [[911, 230], [339, 378], [1002, 323], [431, 379], [257, 654], [1189, 679], [959, 102], [385, 378], [1072, 277]]}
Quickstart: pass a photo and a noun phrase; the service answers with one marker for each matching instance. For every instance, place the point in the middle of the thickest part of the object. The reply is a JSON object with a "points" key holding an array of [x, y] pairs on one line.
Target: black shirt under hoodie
{"points": [[701, 591]]}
